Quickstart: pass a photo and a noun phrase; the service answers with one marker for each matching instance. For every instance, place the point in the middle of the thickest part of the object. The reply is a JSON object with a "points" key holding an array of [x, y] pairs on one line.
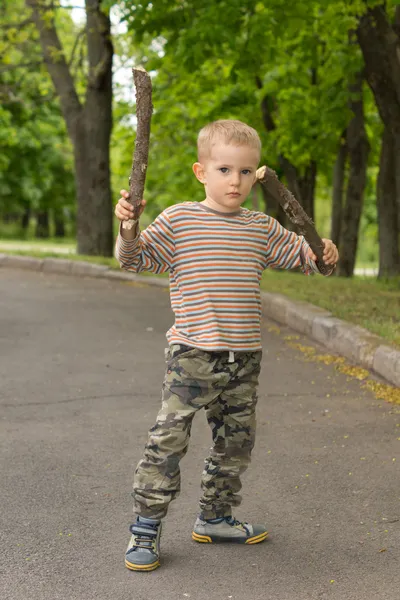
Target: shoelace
{"points": [[233, 521], [144, 540]]}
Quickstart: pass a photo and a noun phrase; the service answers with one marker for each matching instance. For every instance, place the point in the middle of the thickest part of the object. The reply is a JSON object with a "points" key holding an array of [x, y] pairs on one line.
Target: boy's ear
{"points": [[198, 170]]}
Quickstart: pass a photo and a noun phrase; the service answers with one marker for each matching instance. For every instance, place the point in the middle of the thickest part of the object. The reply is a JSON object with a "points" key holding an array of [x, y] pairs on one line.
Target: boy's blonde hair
{"points": [[229, 131]]}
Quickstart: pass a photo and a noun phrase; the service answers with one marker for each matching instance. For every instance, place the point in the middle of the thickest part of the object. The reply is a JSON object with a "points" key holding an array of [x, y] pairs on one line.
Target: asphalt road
{"points": [[81, 367]]}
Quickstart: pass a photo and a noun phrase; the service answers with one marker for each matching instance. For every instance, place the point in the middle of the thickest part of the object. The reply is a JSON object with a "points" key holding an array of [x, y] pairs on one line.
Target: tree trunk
{"points": [[59, 224], [380, 45], [302, 187], [307, 189], [89, 126], [25, 219], [339, 172], [389, 259], [358, 148], [42, 224]]}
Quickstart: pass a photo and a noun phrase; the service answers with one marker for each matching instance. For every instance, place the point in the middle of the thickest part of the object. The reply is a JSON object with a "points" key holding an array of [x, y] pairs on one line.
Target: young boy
{"points": [[215, 252]]}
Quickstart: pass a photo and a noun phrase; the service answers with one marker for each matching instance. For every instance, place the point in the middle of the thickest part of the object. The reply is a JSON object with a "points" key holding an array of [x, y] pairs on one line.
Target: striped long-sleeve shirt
{"points": [[215, 261]]}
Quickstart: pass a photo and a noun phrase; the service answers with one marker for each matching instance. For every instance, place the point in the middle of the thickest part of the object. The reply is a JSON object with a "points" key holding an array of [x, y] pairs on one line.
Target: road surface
{"points": [[81, 367]]}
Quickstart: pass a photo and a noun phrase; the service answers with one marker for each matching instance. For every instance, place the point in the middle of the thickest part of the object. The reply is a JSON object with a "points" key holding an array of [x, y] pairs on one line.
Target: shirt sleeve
{"points": [[152, 249], [287, 250]]}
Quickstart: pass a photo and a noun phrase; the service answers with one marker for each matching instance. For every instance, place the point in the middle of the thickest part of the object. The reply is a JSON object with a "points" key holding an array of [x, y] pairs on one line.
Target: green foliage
{"points": [[220, 59], [241, 52], [36, 166]]}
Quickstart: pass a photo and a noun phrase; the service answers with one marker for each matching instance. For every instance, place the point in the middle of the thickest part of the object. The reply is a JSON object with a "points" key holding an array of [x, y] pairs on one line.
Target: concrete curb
{"points": [[351, 341]]}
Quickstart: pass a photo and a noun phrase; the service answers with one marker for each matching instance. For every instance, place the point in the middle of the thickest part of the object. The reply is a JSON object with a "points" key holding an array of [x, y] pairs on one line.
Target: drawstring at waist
{"points": [[231, 358]]}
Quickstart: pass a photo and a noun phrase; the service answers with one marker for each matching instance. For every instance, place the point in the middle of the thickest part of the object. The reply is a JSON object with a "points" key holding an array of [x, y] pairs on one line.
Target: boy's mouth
{"points": [[234, 194]]}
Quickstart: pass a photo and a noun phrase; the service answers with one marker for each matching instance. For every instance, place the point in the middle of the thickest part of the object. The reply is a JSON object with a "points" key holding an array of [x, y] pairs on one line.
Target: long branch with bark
{"points": [[144, 109], [296, 213]]}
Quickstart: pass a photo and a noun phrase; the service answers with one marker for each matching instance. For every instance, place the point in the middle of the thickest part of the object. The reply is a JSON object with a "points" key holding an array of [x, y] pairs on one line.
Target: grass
{"points": [[364, 301]]}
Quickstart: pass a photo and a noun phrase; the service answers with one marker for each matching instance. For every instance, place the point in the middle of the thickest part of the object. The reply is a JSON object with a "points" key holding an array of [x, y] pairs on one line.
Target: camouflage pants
{"points": [[197, 379]]}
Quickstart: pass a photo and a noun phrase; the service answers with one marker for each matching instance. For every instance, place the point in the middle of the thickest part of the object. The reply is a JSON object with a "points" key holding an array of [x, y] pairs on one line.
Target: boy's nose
{"points": [[235, 179]]}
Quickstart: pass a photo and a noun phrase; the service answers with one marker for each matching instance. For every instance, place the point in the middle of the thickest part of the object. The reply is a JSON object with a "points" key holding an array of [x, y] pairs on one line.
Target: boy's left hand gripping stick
{"points": [[144, 109]]}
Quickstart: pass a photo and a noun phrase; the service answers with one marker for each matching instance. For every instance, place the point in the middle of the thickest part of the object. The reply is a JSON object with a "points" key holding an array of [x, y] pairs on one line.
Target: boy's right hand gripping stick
{"points": [[296, 213], [144, 109]]}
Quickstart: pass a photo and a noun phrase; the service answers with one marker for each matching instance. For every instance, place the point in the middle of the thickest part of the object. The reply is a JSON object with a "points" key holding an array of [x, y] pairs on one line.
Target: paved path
{"points": [[81, 366]]}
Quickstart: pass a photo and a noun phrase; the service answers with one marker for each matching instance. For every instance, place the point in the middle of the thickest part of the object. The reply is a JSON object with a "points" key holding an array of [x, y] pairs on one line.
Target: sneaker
{"points": [[143, 552], [228, 529]]}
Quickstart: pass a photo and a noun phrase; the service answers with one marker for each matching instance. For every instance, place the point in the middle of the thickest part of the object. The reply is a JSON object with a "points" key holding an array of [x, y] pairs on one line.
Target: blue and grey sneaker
{"points": [[228, 529], [143, 552]]}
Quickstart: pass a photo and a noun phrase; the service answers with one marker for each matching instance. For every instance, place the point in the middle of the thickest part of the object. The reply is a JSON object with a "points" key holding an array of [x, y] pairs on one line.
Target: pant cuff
{"points": [[224, 511], [149, 514]]}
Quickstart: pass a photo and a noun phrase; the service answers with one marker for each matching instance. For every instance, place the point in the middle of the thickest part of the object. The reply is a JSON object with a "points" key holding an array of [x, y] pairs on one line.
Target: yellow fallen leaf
{"points": [[356, 372], [384, 392], [274, 329]]}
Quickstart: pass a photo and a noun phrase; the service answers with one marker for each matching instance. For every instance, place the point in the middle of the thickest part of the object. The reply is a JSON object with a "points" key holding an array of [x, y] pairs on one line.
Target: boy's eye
{"points": [[224, 169], [246, 171]]}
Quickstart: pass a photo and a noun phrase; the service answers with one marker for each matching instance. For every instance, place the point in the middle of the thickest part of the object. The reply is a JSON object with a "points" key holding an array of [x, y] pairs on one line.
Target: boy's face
{"points": [[228, 175]]}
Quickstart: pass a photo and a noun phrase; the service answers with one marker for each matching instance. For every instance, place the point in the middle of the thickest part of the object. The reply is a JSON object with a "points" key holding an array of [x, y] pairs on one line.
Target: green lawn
{"points": [[363, 301]]}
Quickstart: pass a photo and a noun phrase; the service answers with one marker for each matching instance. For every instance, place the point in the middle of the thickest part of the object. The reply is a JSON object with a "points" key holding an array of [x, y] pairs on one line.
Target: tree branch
{"points": [[269, 179], [80, 34], [144, 109], [57, 66]]}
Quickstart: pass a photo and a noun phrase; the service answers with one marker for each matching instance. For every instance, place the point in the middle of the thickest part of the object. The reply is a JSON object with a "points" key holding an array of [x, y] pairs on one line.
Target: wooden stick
{"points": [[296, 213], [144, 109]]}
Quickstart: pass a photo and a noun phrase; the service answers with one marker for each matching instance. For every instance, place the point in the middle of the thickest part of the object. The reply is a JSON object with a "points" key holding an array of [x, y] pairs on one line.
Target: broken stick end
{"points": [[128, 224], [260, 173]]}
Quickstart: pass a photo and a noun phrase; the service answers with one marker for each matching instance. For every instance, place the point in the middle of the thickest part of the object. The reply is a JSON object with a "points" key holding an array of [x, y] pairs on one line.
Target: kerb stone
{"points": [[88, 269], [57, 265], [23, 262], [387, 363]]}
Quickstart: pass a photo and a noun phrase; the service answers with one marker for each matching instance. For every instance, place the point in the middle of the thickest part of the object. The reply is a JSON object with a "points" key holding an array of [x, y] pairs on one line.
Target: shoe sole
{"points": [[151, 567], [212, 539]]}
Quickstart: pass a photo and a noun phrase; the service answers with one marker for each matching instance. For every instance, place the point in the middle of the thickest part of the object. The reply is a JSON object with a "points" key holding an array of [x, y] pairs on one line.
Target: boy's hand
{"points": [[331, 254], [123, 208]]}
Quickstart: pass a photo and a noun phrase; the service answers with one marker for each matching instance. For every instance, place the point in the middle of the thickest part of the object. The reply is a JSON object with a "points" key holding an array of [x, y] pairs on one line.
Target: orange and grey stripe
{"points": [[215, 263]]}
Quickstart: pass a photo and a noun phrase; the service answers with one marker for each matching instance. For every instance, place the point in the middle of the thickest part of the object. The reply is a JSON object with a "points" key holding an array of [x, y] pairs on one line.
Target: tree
{"points": [[36, 174], [287, 68], [88, 120], [380, 44], [358, 150]]}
